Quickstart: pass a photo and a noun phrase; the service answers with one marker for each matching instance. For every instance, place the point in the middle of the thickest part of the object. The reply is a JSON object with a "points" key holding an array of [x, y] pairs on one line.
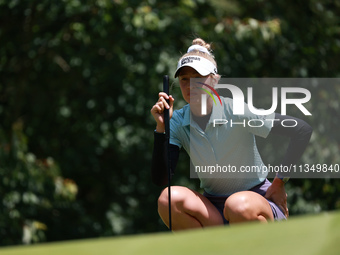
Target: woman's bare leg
{"points": [[189, 209], [247, 206]]}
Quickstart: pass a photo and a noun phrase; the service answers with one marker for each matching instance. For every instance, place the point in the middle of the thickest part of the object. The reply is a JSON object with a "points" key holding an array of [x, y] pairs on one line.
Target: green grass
{"points": [[319, 234]]}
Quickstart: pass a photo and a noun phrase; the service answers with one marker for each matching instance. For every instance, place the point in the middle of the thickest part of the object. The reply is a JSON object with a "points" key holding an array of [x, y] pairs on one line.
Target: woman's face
{"points": [[191, 93]]}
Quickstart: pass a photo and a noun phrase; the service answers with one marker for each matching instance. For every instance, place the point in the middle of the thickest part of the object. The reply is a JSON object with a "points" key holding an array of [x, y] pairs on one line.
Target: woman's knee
{"points": [[247, 206], [237, 206], [177, 197], [189, 208]]}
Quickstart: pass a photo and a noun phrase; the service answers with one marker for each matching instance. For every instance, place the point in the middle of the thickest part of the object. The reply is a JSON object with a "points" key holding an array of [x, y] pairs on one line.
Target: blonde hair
{"points": [[201, 42]]}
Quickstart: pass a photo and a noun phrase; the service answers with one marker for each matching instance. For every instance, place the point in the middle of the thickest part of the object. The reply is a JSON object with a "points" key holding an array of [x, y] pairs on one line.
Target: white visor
{"points": [[202, 65]]}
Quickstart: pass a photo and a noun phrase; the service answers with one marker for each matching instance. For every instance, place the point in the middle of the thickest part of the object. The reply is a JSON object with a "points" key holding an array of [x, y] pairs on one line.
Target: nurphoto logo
{"points": [[238, 99]]}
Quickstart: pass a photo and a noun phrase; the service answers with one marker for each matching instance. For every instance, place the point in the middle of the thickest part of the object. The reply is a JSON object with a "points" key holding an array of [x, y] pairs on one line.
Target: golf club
{"points": [[167, 134]]}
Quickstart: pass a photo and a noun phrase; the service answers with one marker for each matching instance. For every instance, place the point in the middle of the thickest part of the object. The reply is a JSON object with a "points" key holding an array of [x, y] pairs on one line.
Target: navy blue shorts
{"points": [[261, 189]]}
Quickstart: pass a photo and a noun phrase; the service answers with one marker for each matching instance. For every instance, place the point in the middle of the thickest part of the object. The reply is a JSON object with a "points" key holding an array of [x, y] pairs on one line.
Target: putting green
{"points": [[318, 234]]}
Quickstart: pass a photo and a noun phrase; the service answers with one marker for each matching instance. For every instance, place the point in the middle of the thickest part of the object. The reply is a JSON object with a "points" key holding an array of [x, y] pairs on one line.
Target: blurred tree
{"points": [[32, 191]]}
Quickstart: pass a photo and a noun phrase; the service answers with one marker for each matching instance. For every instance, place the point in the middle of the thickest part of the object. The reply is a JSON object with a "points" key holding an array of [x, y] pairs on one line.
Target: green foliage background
{"points": [[77, 82]]}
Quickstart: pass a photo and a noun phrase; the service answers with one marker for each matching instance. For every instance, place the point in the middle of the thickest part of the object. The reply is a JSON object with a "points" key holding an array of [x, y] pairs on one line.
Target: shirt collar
{"points": [[186, 118], [217, 113]]}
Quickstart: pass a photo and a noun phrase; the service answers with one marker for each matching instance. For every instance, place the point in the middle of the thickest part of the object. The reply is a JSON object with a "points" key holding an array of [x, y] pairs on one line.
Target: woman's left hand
{"points": [[277, 193]]}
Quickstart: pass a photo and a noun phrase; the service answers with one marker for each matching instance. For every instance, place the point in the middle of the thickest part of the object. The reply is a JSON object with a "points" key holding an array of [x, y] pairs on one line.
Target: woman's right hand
{"points": [[157, 110]]}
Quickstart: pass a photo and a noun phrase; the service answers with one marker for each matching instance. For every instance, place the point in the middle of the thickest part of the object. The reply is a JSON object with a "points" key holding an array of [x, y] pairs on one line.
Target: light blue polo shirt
{"points": [[227, 141]]}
